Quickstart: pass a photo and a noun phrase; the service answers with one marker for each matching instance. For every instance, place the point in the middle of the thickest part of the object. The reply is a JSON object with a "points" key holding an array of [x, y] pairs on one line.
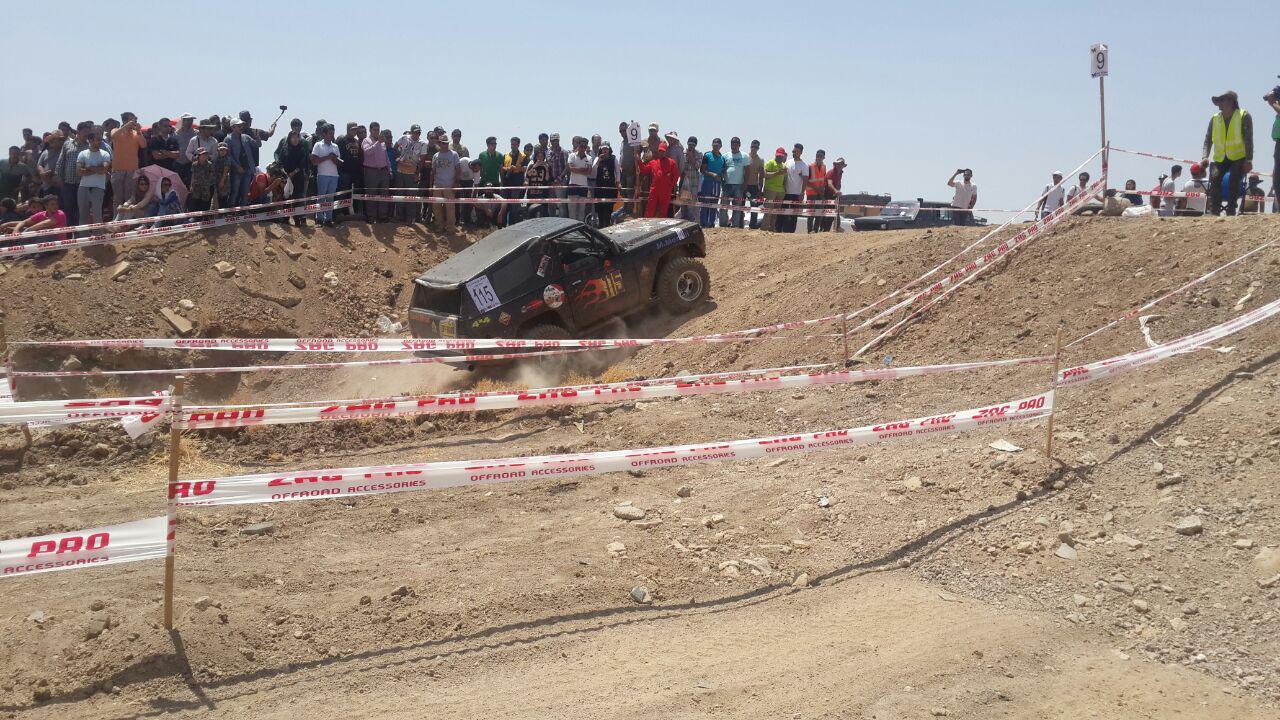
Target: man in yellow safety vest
{"points": [[1230, 135]]}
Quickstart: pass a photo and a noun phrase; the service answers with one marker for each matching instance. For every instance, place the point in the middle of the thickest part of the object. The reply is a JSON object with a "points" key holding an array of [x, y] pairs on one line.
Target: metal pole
{"points": [[175, 455], [1102, 110], [1057, 355]]}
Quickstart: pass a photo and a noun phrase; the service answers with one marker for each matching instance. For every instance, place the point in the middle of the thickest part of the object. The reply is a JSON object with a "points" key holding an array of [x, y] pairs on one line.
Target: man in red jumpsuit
{"points": [[665, 174]]}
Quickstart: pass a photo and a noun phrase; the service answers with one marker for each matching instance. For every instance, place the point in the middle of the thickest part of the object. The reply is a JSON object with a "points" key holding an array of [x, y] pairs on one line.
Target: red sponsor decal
{"points": [[182, 489], [71, 543]]}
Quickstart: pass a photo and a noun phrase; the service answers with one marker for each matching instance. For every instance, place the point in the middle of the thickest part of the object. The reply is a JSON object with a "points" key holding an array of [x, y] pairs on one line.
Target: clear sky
{"points": [[905, 91]]}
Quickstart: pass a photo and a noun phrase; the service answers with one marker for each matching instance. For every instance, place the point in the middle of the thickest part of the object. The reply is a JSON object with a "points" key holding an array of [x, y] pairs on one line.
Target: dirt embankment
{"points": [[931, 580]]}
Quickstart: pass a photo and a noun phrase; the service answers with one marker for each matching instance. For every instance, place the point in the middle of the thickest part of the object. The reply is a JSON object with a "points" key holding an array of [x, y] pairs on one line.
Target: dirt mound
{"points": [[863, 571]]}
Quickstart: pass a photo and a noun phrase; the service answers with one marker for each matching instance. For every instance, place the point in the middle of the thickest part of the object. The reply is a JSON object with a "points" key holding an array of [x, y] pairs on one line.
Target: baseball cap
{"points": [[779, 151], [555, 136], [840, 161], [415, 128], [1228, 95], [653, 126], [1058, 173], [662, 146], [1195, 168], [245, 115]]}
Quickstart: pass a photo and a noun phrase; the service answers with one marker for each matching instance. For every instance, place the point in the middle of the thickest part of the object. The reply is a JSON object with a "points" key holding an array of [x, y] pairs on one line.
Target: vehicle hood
{"points": [[634, 233]]}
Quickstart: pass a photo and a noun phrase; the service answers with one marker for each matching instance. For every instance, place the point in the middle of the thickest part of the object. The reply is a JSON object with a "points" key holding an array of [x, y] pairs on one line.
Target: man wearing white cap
{"points": [[1052, 195]]}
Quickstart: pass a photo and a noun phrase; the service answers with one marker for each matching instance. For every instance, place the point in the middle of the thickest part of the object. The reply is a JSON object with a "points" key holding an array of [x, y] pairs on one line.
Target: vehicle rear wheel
{"points": [[545, 331], [682, 284]]}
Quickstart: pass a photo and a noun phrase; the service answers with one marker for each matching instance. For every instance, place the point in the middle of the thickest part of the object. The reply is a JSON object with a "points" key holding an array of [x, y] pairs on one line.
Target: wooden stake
{"points": [[844, 336], [8, 378], [1057, 355], [175, 457]]}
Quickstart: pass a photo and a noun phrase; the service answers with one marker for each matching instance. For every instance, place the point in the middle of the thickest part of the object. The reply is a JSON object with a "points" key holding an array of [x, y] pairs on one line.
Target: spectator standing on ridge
{"points": [[126, 145], [1230, 136], [444, 168], [558, 166], [410, 153], [93, 165], [203, 182], [182, 136], [69, 189], [815, 189], [457, 145], [753, 182], [835, 183], [327, 159], [538, 175], [240, 159], [1273, 99], [491, 162], [605, 172], [162, 147], [797, 179], [965, 197], [377, 176], [1169, 205], [1194, 206], [47, 163], [260, 135], [513, 171], [712, 169], [295, 161], [351, 173], [579, 171], [14, 174], [626, 160], [690, 179], [1084, 183], [775, 189], [295, 125], [663, 173], [735, 170], [1051, 198]]}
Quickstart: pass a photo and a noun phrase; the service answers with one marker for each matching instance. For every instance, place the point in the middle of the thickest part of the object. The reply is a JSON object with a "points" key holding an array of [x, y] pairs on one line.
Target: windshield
{"points": [[900, 209]]}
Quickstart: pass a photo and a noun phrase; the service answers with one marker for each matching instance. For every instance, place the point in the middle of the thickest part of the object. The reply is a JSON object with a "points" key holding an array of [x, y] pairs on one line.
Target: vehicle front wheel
{"points": [[683, 284]]}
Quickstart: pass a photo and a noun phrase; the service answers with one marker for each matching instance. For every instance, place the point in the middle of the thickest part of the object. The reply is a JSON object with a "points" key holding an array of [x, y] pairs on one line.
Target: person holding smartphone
{"points": [[965, 197]]}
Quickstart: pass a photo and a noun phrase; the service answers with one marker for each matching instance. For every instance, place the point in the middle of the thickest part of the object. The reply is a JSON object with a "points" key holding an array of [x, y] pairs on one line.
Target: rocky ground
{"points": [[1136, 574]]}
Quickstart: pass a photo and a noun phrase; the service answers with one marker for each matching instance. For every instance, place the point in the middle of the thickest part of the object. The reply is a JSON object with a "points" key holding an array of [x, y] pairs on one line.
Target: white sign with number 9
{"points": [[633, 133], [1098, 60]]}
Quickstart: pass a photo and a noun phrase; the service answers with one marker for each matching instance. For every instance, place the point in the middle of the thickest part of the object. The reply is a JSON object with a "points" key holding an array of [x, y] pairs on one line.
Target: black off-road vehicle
{"points": [[555, 278]]}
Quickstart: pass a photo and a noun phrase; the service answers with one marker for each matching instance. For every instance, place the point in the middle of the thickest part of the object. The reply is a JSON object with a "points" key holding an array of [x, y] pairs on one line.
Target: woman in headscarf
{"points": [[605, 173], [295, 161], [167, 202], [142, 203]]}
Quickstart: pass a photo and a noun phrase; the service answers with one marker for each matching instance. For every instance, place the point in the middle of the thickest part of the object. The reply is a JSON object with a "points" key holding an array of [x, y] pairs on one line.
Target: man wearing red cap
{"points": [[663, 173]]}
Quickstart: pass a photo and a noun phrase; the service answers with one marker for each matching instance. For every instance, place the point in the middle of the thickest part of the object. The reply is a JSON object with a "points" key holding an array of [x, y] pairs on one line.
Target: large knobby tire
{"points": [[545, 331], [683, 284]]}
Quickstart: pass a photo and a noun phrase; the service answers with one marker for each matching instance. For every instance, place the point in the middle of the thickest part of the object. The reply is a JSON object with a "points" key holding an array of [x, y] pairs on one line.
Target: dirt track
{"points": [[935, 587]]}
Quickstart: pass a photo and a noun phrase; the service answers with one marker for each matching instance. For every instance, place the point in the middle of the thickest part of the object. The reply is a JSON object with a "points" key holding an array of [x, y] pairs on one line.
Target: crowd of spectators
{"points": [[124, 170]]}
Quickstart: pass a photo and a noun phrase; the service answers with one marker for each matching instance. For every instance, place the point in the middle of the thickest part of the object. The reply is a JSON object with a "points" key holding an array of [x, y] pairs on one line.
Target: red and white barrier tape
{"points": [[243, 216], [452, 360], [1111, 367], [1164, 193], [95, 547], [137, 416], [973, 272], [221, 212], [374, 345], [1170, 158], [203, 417], [1137, 311], [348, 482]]}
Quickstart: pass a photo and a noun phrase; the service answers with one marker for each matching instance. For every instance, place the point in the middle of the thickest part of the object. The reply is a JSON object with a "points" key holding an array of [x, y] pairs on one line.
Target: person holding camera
{"points": [[1273, 99], [965, 198], [1230, 136]]}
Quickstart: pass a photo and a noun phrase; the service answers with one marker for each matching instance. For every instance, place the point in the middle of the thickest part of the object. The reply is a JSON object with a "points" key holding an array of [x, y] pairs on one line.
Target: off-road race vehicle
{"points": [[555, 278]]}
